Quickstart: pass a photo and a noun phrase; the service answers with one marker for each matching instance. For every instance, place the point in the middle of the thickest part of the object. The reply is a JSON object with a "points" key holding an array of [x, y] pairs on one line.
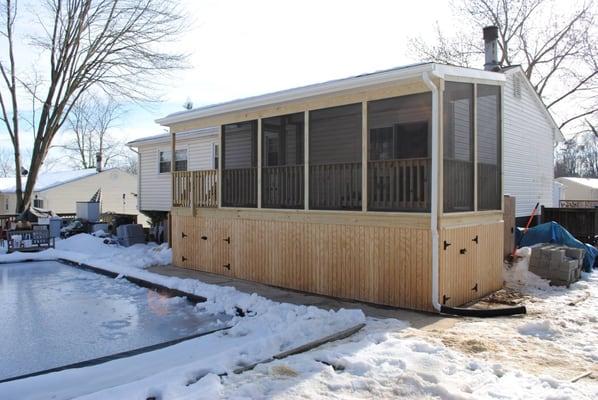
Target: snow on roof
{"points": [[47, 180], [590, 182]]}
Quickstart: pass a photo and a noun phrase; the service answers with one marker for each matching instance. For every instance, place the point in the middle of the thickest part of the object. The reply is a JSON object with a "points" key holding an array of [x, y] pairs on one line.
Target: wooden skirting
{"points": [[363, 257], [471, 264]]}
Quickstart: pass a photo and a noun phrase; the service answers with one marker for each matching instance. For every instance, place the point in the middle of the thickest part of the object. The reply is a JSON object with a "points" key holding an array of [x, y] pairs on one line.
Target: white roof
{"points": [[47, 180], [589, 182], [406, 72]]}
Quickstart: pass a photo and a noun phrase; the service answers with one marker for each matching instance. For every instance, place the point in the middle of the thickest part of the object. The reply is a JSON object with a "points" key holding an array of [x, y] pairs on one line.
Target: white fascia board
{"points": [[165, 138]]}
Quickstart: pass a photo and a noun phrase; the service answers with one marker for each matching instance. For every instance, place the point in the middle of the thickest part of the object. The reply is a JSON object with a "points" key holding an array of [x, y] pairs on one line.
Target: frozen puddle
{"points": [[52, 315]]}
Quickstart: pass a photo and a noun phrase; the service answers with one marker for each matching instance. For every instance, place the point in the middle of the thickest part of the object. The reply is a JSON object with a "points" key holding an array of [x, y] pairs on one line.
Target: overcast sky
{"points": [[242, 48]]}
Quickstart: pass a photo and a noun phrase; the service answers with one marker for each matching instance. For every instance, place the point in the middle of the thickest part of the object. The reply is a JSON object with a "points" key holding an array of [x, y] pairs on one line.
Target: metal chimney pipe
{"points": [[491, 48], [99, 162]]}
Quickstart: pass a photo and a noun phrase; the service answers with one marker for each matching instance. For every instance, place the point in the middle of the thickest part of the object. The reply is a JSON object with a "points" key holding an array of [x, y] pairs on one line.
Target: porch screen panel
{"points": [[458, 147], [239, 164], [335, 158], [399, 132], [282, 161], [489, 147]]}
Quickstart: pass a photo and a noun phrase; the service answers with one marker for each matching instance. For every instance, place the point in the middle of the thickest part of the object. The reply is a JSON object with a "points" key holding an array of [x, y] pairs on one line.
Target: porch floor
{"points": [[419, 320]]}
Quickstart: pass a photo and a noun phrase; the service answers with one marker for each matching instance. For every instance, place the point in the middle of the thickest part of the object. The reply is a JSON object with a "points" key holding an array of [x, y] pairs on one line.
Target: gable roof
{"points": [[519, 70], [355, 82], [47, 180]]}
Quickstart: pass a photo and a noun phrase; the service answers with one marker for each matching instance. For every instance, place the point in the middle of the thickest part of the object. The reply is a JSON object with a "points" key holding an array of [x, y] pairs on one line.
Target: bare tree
{"points": [[114, 46], [89, 123], [6, 164], [556, 47]]}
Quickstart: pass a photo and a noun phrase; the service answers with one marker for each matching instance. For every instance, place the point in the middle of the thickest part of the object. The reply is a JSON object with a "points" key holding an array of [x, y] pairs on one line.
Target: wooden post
{"points": [[172, 150], [306, 160], [259, 163], [364, 156], [475, 147], [192, 177], [219, 172]]}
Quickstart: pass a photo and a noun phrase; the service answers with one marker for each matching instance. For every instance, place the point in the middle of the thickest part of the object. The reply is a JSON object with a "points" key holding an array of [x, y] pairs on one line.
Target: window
{"points": [[180, 163], [282, 161], [399, 153], [335, 158], [239, 164], [488, 147], [458, 147], [215, 155], [38, 203]]}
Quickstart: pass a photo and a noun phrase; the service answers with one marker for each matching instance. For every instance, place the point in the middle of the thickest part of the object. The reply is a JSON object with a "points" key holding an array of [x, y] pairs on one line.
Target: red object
{"points": [[529, 222]]}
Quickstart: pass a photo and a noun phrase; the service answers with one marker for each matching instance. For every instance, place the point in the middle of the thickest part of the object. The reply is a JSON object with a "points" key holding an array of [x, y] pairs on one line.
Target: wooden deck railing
{"points": [[335, 186], [195, 189], [399, 185], [239, 187], [282, 186]]}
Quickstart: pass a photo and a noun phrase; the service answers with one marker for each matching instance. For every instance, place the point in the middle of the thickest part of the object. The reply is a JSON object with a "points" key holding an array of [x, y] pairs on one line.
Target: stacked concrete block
{"points": [[130, 234], [559, 264]]}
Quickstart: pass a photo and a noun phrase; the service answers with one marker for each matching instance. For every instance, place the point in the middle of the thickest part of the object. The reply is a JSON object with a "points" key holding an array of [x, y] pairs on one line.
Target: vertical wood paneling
{"points": [[481, 264], [380, 264]]}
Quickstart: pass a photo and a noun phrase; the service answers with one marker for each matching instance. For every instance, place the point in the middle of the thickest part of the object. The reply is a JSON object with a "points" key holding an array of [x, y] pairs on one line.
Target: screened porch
{"points": [[367, 156]]}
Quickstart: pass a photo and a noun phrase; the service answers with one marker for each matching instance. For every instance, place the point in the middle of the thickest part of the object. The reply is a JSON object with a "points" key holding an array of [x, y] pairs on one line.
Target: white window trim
{"points": [[214, 149], [167, 149]]}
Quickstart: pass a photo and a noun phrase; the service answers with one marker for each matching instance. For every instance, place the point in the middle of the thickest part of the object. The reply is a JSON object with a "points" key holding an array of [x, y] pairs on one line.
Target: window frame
{"points": [[161, 151]]}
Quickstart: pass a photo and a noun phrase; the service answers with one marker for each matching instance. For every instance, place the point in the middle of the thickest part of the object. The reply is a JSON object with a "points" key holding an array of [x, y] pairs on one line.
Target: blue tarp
{"points": [[551, 232]]}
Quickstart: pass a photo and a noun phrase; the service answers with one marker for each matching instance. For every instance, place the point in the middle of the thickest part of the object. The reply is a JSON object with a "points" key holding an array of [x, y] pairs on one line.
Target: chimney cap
{"points": [[490, 33]]}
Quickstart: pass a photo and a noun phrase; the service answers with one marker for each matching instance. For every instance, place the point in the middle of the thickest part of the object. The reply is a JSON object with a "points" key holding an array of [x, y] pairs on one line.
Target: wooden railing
{"points": [[399, 185], [195, 189], [458, 185], [239, 187], [282, 186], [335, 186]]}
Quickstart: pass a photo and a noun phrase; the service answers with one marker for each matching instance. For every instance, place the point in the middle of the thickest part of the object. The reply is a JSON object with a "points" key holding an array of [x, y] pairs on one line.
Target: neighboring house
{"points": [[579, 188], [196, 150], [530, 135], [60, 191]]}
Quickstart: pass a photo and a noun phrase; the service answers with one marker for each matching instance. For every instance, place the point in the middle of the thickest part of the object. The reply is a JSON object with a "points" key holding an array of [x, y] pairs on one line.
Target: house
{"points": [[384, 187], [579, 189], [60, 191]]}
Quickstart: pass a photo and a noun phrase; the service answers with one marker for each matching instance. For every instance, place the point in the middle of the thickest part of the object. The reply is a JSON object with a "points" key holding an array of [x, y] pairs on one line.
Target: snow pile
{"points": [[99, 252], [541, 329], [517, 274], [387, 360]]}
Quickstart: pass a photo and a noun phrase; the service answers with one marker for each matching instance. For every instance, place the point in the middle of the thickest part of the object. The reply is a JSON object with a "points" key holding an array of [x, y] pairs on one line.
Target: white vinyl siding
{"points": [[154, 191], [528, 148]]}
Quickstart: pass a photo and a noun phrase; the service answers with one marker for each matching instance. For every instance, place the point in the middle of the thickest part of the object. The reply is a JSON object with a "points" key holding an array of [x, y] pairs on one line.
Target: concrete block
{"points": [[574, 253]]}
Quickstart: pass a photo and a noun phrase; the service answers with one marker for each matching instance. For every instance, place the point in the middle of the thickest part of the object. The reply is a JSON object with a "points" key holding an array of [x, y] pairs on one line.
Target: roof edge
{"points": [[354, 82]]}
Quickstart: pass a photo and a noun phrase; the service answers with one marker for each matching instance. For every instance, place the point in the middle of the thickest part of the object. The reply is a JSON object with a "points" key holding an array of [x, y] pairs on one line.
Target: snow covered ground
{"points": [[532, 356]]}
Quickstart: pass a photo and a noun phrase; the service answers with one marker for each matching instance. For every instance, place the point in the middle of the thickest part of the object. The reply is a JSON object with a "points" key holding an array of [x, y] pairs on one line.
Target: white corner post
{"points": [[434, 185]]}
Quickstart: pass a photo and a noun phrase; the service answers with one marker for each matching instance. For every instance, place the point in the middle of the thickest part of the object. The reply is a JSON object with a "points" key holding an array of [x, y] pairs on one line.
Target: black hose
{"points": [[483, 313]]}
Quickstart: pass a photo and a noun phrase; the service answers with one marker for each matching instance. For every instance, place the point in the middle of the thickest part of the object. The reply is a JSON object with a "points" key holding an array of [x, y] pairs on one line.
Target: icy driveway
{"points": [[53, 314]]}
